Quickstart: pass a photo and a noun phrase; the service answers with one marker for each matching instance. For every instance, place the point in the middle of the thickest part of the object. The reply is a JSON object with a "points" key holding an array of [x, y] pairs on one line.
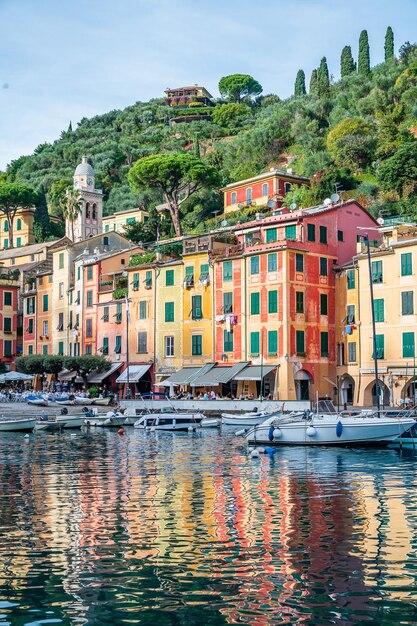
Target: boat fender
{"points": [[64, 411], [121, 431], [277, 433], [339, 428], [190, 429], [254, 454], [240, 432], [271, 433], [26, 436], [311, 431]]}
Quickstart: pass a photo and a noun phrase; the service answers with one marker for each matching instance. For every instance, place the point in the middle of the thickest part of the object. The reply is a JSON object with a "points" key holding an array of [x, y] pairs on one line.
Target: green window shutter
{"points": [[323, 234], [376, 270], [324, 344], [8, 298], [169, 311], [197, 345], [7, 347], [323, 266], [79, 272], [351, 279], [61, 260], [299, 302], [291, 232], [204, 271], [227, 271], [169, 278], [408, 345], [271, 235], [45, 303], [272, 342], [89, 272], [60, 348], [273, 301], [135, 281], [407, 303], [7, 324], [45, 350], [19, 242], [379, 339], [406, 264], [311, 232], [340, 235], [350, 314], [227, 341], [228, 302], [352, 352], [118, 346], [254, 343], [299, 263], [105, 345], [196, 308], [254, 303], [89, 298], [148, 279], [142, 309], [254, 265], [299, 342], [323, 304], [272, 262], [379, 309]]}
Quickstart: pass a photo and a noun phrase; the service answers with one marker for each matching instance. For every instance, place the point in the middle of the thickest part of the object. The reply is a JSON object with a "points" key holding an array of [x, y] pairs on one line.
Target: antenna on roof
{"points": [[293, 206], [327, 201], [271, 204], [335, 197]]}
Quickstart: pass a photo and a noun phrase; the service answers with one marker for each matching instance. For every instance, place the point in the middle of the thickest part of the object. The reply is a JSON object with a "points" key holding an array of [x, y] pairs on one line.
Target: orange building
{"points": [[9, 286]]}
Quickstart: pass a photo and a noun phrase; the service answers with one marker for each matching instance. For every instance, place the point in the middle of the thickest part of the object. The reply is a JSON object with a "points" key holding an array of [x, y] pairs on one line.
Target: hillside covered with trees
{"points": [[359, 133]]}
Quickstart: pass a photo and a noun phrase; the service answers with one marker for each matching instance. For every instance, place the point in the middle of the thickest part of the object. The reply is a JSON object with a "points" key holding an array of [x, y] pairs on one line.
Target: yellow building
{"points": [[22, 229], [117, 221], [393, 269]]}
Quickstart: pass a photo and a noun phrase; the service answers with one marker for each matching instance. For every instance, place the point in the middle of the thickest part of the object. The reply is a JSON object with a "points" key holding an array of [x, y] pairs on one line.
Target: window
{"points": [[407, 303], [169, 311], [5, 243], [273, 301], [249, 195], [88, 348], [233, 198], [105, 241], [227, 271], [30, 305], [45, 303], [379, 340], [45, 328], [228, 302], [105, 348], [142, 342], [77, 321], [130, 220], [323, 304], [376, 268], [89, 327], [227, 341], [61, 261], [13, 261], [196, 345], [142, 309], [272, 262], [87, 210], [272, 342], [408, 345], [204, 271], [340, 235], [265, 189], [107, 228], [135, 281], [7, 324], [324, 344], [169, 278], [61, 348], [290, 232], [18, 243], [7, 298], [352, 352], [7, 346], [299, 263], [6, 226], [323, 266], [271, 235], [379, 309], [323, 234], [254, 265], [299, 302], [118, 314], [350, 279], [40, 280], [45, 350], [350, 314], [30, 349], [105, 316], [70, 297], [61, 290], [196, 309], [19, 224], [311, 232], [254, 343], [148, 279], [169, 346], [60, 321], [299, 342], [189, 275], [30, 327], [89, 299], [287, 187], [406, 264], [89, 272], [254, 303], [79, 272], [118, 346]]}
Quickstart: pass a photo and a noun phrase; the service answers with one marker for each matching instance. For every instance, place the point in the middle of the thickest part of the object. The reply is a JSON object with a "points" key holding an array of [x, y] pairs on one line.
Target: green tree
{"points": [[408, 53], [144, 232], [41, 226], [231, 115], [351, 143], [237, 86], [57, 195], [399, 172], [313, 82], [323, 78], [177, 176], [364, 63], [389, 44], [13, 196], [85, 364], [39, 363], [300, 84], [347, 64], [71, 207]]}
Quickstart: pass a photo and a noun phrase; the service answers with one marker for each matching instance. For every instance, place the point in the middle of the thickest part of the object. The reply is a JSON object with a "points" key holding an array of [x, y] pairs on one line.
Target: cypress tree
{"points": [[300, 84], [389, 44], [313, 82], [364, 63], [347, 64], [323, 79]]}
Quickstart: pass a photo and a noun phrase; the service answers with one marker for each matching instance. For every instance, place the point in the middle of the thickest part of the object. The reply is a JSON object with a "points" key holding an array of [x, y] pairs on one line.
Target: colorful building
{"points": [[22, 229], [9, 288], [117, 221]]}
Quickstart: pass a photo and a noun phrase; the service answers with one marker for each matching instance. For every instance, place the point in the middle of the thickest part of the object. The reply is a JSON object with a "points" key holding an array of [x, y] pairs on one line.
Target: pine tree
{"points": [[323, 79], [389, 44], [300, 84], [69, 127], [364, 64], [347, 64], [313, 82]]}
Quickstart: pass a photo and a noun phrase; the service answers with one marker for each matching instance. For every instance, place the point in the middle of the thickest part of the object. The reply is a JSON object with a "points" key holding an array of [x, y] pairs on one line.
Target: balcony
{"points": [[105, 286], [228, 251], [199, 244]]}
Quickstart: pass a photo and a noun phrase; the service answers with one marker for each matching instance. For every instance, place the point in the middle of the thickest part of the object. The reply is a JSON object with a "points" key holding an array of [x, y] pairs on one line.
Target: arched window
{"points": [[94, 212], [19, 224], [6, 226], [287, 187], [87, 210]]}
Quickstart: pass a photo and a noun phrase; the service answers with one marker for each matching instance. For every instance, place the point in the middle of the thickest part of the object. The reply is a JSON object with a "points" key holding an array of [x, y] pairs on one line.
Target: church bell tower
{"points": [[89, 221]]}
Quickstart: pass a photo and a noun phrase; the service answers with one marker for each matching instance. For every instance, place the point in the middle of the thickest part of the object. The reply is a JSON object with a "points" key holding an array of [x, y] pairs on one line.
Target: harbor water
{"points": [[100, 528]]}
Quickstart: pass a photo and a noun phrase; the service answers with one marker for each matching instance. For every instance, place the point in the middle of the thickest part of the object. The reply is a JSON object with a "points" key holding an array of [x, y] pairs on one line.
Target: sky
{"points": [[61, 61]]}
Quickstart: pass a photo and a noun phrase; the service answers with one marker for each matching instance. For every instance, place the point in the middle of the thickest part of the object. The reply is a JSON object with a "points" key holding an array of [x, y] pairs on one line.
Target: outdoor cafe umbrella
{"points": [[9, 377]]}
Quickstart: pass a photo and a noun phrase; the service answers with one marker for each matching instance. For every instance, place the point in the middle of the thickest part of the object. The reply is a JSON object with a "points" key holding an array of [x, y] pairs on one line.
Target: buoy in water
{"points": [[255, 454], [190, 429], [121, 431]]}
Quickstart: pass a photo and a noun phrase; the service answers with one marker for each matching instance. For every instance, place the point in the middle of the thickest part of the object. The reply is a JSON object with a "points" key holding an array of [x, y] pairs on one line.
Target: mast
{"points": [[371, 291]]}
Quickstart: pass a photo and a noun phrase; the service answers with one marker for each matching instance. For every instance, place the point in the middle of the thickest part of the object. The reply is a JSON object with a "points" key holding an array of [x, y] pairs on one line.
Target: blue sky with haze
{"points": [[62, 60]]}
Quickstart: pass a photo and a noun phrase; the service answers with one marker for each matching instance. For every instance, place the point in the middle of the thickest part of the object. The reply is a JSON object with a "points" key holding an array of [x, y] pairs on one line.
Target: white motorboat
{"points": [[66, 401], [311, 429], [25, 425], [210, 422], [70, 421], [37, 400], [249, 419], [170, 421], [111, 419], [83, 401], [102, 401]]}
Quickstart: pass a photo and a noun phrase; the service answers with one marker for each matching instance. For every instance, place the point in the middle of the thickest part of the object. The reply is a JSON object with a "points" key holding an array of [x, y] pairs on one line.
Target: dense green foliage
{"points": [[53, 364], [347, 64], [364, 61], [13, 196], [389, 44], [238, 86], [300, 84]]}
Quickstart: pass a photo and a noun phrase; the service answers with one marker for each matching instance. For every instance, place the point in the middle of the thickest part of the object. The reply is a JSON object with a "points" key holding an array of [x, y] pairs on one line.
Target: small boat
{"points": [[111, 419], [210, 422], [249, 419], [66, 401], [102, 401], [37, 400], [83, 401], [26, 425], [70, 421], [308, 429], [170, 421]]}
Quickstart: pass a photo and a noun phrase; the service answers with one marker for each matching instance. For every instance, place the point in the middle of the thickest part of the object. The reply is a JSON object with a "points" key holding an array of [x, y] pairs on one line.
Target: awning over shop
{"points": [[255, 372], [135, 373], [218, 375], [66, 375], [185, 376], [98, 377]]}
